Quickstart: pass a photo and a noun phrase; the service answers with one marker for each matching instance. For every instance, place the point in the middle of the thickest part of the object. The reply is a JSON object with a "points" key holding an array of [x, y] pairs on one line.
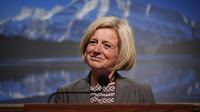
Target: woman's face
{"points": [[102, 49]]}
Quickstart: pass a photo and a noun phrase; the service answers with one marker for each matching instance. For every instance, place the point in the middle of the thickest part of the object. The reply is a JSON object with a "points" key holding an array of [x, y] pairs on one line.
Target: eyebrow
{"points": [[107, 41]]}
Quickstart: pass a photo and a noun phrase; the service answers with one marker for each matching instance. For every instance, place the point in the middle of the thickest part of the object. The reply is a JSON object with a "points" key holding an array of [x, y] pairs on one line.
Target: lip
{"points": [[94, 58]]}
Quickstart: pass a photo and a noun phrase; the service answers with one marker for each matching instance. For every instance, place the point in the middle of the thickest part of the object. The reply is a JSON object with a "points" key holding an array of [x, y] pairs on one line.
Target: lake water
{"points": [[173, 78]]}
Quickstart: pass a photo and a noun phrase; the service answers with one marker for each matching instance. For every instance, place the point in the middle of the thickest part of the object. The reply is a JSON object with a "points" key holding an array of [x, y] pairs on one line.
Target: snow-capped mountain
{"points": [[151, 25]]}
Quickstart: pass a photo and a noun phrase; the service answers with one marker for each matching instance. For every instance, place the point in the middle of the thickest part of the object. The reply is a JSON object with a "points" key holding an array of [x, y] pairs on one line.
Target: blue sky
{"points": [[11, 8]]}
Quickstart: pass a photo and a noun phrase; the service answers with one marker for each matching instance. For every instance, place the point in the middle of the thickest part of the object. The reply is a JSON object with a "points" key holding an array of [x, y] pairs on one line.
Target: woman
{"points": [[107, 46]]}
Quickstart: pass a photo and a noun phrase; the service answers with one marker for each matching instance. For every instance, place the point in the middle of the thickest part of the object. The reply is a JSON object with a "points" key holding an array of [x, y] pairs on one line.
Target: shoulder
{"points": [[133, 84], [73, 85], [137, 83], [139, 89]]}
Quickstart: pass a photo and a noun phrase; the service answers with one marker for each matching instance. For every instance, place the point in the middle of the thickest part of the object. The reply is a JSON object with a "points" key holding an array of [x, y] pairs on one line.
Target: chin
{"points": [[96, 66]]}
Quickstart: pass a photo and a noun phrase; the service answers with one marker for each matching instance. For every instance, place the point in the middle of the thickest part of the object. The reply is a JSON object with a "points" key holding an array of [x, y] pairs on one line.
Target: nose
{"points": [[97, 49]]}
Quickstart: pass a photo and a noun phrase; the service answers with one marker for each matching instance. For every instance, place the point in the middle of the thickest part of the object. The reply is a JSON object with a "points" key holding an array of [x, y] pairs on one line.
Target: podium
{"points": [[108, 108]]}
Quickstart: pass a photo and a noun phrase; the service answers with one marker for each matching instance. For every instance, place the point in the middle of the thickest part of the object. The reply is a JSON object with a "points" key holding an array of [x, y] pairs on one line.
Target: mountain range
{"points": [[152, 26]]}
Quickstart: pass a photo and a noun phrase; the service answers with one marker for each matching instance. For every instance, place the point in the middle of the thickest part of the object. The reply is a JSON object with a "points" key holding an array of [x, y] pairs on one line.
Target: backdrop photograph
{"points": [[40, 40]]}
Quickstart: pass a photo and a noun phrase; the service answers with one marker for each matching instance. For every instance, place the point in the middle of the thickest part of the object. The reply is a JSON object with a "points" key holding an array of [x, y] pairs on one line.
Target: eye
{"points": [[107, 46], [92, 42]]}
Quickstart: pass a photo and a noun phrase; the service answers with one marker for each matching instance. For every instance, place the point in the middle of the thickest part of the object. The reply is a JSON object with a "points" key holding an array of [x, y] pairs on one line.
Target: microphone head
{"points": [[103, 80]]}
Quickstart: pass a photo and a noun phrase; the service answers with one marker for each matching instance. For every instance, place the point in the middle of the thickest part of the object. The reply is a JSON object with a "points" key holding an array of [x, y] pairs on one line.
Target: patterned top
{"points": [[106, 96]]}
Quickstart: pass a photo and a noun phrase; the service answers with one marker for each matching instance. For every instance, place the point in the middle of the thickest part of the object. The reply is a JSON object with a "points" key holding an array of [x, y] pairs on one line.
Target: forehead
{"points": [[106, 34]]}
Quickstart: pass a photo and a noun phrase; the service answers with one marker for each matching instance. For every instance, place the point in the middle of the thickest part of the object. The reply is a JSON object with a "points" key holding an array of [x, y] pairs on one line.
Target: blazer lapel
{"points": [[85, 97], [84, 87], [122, 90]]}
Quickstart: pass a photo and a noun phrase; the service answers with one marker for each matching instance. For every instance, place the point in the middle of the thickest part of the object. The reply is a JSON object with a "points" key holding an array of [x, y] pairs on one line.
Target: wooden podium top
{"points": [[108, 108]]}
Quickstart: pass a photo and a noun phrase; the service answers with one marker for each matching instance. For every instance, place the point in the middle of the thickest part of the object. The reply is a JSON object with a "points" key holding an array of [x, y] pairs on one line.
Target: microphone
{"points": [[103, 80]]}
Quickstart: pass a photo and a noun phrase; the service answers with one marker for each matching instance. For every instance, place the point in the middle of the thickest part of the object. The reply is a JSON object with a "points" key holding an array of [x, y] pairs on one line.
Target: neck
{"points": [[95, 74]]}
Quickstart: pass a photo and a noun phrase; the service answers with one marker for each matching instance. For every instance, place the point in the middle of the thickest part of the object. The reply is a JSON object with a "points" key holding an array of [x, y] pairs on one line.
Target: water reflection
{"points": [[174, 78]]}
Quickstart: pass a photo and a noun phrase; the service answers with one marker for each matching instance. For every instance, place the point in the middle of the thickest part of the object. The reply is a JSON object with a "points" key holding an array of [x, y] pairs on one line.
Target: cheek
{"points": [[88, 49], [112, 54]]}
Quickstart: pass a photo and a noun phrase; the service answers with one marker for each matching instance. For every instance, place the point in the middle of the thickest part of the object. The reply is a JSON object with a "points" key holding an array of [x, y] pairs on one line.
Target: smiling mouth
{"points": [[93, 58]]}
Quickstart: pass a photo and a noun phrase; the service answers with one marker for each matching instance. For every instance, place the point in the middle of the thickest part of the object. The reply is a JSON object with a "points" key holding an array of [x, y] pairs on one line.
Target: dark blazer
{"points": [[127, 91]]}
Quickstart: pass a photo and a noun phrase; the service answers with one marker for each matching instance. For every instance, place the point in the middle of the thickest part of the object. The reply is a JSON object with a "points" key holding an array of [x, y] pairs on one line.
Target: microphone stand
{"points": [[71, 93]]}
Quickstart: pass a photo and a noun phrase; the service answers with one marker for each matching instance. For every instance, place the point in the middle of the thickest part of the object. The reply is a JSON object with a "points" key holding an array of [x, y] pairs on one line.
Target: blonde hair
{"points": [[127, 53]]}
